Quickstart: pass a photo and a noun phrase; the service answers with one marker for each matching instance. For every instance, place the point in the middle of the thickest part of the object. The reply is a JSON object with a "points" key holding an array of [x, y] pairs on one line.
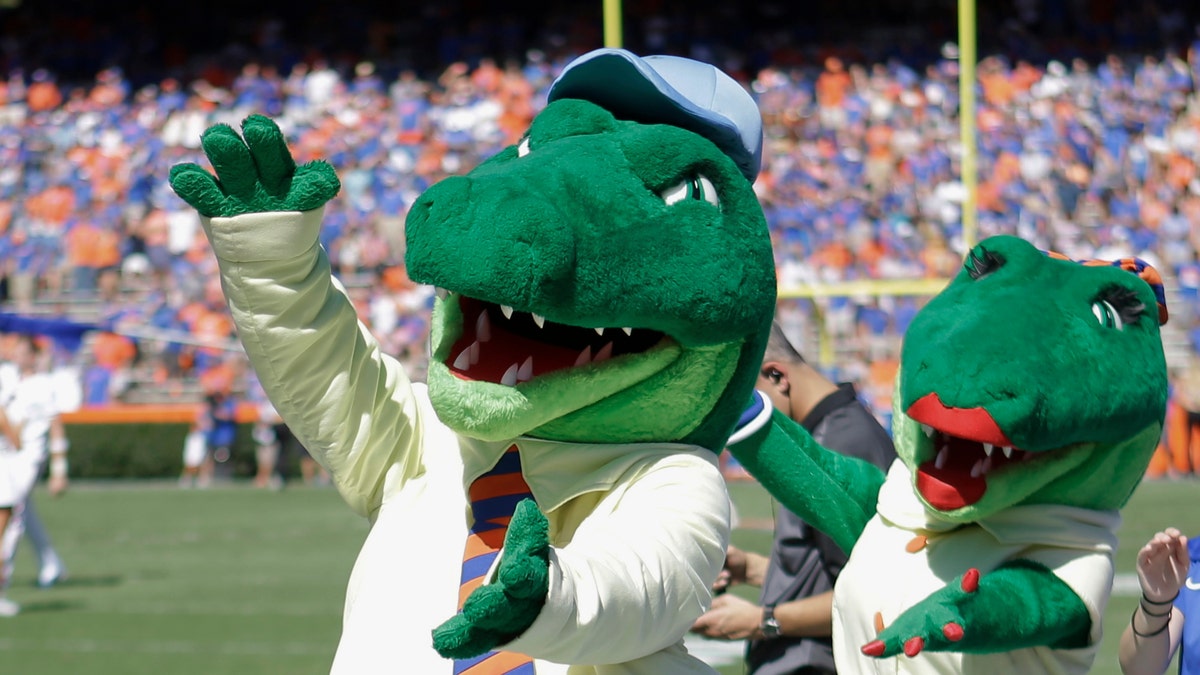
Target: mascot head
{"points": [[1032, 379], [609, 278]]}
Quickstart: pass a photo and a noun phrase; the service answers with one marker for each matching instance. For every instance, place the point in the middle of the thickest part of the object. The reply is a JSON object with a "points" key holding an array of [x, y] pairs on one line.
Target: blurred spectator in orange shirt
{"points": [[113, 351], [82, 243], [51, 207], [831, 87], [109, 376], [834, 255], [998, 89], [516, 96], [43, 93]]}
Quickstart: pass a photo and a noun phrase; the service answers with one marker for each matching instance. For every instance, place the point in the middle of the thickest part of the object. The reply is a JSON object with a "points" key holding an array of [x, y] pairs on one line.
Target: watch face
{"points": [[770, 625]]}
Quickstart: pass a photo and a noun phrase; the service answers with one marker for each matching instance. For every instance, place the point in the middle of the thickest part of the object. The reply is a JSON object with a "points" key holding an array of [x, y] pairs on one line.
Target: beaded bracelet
{"points": [[1146, 635]]}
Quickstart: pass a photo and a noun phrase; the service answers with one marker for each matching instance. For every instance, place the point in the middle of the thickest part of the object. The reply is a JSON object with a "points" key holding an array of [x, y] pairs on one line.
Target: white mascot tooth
{"points": [[510, 376], [483, 328], [605, 353], [464, 359], [584, 357]]}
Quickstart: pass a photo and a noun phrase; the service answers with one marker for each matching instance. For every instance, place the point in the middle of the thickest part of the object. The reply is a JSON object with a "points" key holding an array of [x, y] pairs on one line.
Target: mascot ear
{"points": [[669, 90]]}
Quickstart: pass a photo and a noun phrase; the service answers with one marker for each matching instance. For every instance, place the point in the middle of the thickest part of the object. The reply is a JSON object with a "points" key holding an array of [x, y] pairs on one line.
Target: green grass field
{"points": [[236, 580]]}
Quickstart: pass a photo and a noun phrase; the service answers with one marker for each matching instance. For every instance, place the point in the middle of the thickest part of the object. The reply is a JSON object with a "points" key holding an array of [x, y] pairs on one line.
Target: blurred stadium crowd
{"points": [[1087, 145]]}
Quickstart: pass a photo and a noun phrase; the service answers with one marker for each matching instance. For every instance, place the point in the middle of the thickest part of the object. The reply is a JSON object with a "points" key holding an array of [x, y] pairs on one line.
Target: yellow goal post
{"points": [[878, 288]]}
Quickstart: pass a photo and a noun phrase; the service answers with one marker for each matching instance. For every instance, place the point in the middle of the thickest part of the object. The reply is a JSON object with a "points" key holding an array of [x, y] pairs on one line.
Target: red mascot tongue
{"points": [[962, 431]]}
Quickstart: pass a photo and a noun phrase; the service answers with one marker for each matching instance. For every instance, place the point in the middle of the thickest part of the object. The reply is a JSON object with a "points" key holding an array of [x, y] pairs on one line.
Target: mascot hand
{"points": [[934, 624], [500, 611], [253, 176]]}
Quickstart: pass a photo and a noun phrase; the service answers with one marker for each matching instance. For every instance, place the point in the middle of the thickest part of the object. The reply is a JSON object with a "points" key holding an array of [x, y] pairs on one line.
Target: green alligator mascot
{"points": [[549, 502], [1030, 397]]}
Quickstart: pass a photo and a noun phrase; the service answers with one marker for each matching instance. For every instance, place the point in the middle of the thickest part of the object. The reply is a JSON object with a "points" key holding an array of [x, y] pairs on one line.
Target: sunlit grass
{"points": [[236, 580]]}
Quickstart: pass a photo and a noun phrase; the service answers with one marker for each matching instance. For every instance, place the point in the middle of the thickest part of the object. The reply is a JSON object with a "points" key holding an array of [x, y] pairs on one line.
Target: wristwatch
{"points": [[770, 625]]}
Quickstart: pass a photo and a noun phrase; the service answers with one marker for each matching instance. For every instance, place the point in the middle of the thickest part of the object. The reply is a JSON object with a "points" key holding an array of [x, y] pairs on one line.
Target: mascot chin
{"points": [[550, 501]]}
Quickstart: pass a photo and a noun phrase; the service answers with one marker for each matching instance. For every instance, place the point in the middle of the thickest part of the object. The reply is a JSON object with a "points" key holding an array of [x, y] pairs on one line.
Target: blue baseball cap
{"points": [[669, 90]]}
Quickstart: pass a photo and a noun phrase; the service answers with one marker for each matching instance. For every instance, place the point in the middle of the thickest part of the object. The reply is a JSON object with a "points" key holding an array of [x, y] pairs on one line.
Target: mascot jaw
{"points": [[502, 346], [962, 448], [957, 474], [475, 400]]}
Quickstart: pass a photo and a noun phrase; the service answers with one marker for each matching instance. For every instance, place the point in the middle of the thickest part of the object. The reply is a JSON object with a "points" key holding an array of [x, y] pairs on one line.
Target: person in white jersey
{"points": [[28, 398]]}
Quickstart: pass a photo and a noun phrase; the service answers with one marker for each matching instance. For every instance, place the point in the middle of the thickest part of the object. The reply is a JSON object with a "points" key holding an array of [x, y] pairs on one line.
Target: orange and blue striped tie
{"points": [[493, 497]]}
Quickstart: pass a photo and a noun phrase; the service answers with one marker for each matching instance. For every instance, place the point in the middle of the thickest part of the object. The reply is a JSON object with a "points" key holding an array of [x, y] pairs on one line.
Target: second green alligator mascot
{"points": [[1031, 395], [605, 291]]}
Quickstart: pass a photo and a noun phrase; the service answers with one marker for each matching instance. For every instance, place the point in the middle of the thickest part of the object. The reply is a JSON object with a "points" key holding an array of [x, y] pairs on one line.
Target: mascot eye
{"points": [[698, 188], [1107, 315], [523, 148], [982, 262], [1117, 307]]}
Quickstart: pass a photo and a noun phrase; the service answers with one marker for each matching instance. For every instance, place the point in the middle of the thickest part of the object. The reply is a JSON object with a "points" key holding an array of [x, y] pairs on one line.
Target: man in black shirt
{"points": [[788, 631]]}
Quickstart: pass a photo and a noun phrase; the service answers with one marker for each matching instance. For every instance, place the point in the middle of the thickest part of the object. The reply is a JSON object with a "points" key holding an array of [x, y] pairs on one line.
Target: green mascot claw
{"points": [[253, 175], [1030, 397], [503, 609], [604, 290], [1050, 614]]}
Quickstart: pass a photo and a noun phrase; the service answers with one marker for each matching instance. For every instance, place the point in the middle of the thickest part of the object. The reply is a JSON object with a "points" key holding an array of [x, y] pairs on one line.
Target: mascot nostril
{"points": [[553, 487], [532, 256], [436, 205]]}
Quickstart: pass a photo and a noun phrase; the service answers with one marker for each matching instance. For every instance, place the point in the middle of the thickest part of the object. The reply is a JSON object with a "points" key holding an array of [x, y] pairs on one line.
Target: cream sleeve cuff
{"points": [[262, 237]]}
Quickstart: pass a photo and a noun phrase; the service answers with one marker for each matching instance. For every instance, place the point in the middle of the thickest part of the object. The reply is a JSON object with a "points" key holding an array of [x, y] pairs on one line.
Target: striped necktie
{"points": [[493, 497]]}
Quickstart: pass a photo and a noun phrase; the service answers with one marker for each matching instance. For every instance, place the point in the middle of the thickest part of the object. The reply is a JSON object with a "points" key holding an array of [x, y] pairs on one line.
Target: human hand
{"points": [[734, 571], [253, 175], [1162, 566], [731, 618], [57, 485]]}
